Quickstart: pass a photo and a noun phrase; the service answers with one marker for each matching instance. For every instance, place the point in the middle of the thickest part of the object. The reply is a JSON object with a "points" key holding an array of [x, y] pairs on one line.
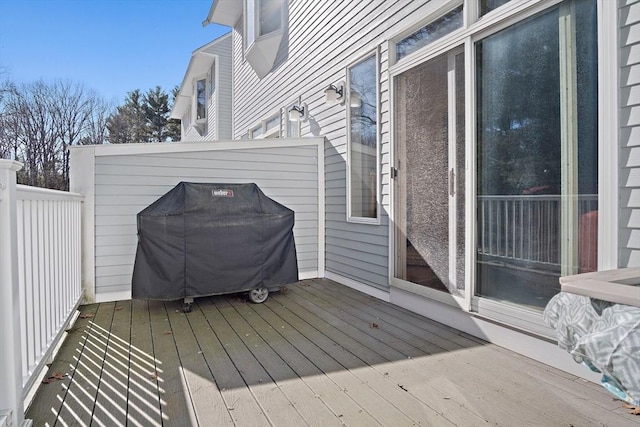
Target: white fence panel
{"points": [[49, 255], [527, 227]]}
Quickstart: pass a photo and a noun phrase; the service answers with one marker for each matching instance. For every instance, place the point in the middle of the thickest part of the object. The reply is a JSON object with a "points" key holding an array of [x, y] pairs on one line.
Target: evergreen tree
{"points": [[174, 125], [144, 118], [156, 108]]}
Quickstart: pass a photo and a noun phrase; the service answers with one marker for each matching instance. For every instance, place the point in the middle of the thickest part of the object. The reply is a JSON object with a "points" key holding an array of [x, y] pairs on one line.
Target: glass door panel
{"points": [[537, 171], [429, 147]]}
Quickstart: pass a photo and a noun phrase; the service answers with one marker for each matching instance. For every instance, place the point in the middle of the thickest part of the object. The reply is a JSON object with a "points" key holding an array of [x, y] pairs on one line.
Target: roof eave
{"points": [[224, 12]]}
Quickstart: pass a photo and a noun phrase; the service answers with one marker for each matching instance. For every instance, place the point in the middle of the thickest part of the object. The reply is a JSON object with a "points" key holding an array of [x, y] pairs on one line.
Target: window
{"points": [[430, 33], [265, 24], [272, 127], [201, 99], [268, 128], [256, 132], [487, 6], [269, 16], [263, 17], [363, 139], [537, 144]]}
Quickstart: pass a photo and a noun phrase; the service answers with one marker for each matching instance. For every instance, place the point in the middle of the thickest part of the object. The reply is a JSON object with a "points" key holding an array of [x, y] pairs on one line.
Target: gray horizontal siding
{"points": [[124, 185], [319, 50], [630, 133]]}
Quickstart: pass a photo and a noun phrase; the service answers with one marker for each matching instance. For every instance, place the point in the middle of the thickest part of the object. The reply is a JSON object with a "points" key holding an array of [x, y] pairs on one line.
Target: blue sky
{"points": [[111, 46]]}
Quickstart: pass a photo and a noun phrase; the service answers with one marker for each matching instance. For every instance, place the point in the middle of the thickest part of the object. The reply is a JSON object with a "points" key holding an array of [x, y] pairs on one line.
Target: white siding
{"points": [[224, 90], [320, 47], [126, 184], [630, 133], [219, 122]]}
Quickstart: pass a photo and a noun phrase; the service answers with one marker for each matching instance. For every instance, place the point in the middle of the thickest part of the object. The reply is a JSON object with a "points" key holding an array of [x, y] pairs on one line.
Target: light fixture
{"points": [[354, 100], [334, 93], [299, 113]]}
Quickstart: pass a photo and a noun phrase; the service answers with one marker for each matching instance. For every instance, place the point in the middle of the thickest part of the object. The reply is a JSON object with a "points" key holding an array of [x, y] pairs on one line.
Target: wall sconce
{"points": [[299, 113], [354, 100], [334, 93]]}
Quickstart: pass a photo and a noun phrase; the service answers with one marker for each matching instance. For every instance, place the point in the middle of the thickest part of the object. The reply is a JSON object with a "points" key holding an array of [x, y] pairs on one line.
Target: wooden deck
{"points": [[316, 354]]}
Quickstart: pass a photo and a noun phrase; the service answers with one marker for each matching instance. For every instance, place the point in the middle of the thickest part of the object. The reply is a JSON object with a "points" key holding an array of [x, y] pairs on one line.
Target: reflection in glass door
{"points": [[537, 135], [429, 186]]}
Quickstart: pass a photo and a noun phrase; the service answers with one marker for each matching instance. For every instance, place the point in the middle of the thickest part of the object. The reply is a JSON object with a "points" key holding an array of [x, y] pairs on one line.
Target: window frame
{"points": [[253, 25], [350, 217], [194, 109], [266, 133]]}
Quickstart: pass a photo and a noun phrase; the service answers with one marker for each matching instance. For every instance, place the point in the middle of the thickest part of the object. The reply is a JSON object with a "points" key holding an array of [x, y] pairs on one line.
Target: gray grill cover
{"points": [[207, 239]]}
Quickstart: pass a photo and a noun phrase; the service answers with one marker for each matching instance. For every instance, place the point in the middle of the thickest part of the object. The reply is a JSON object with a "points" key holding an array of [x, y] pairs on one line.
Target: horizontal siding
{"points": [[630, 133], [125, 185], [320, 48]]}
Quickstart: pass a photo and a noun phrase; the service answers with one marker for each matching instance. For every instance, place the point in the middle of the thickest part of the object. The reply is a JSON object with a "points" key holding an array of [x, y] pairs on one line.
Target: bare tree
{"points": [[40, 120]]}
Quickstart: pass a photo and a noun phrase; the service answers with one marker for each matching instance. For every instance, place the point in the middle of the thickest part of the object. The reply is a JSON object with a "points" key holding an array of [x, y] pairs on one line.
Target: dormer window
{"points": [[270, 17], [201, 99], [265, 22]]}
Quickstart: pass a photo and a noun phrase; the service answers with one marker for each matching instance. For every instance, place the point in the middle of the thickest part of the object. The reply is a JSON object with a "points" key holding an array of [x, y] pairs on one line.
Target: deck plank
{"points": [[385, 401], [400, 371], [242, 405], [297, 391], [143, 405], [48, 401], [502, 400], [112, 396], [299, 352], [275, 405], [519, 392], [208, 404], [176, 407], [79, 402]]}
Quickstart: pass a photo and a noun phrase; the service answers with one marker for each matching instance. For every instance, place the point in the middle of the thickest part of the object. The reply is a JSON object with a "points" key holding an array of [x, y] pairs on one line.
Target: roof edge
{"points": [[224, 12]]}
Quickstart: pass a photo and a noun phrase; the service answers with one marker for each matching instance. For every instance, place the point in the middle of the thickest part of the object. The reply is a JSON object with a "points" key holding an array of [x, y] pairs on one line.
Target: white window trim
{"points": [[256, 23], [608, 130], [194, 106], [266, 134], [350, 217], [438, 9]]}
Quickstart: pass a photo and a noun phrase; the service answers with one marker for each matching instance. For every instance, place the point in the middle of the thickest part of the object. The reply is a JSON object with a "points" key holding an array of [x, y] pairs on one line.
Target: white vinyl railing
{"points": [[40, 283], [527, 227], [48, 232]]}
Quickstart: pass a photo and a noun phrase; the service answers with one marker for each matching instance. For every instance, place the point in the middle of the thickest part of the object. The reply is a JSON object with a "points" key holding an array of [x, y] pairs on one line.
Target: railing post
{"points": [[10, 346]]}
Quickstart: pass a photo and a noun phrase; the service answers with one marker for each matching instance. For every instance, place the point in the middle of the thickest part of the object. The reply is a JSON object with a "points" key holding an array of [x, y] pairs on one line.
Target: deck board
{"points": [[144, 397], [317, 353]]}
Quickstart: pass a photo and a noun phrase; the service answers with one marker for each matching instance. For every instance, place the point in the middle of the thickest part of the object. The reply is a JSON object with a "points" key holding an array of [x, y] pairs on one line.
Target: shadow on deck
{"points": [[317, 353]]}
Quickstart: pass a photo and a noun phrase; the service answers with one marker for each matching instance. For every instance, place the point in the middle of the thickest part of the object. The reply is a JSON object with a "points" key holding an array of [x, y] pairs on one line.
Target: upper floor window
{"points": [[265, 23], [270, 16], [201, 99], [430, 32], [263, 17]]}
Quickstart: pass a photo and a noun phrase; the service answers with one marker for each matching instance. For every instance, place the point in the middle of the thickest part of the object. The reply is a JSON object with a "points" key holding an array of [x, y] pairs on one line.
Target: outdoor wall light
{"points": [[299, 113], [354, 99], [334, 93]]}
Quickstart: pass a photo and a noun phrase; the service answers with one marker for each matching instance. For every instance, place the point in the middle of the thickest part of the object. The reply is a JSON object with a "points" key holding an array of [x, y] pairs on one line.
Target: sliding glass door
{"points": [[429, 186], [535, 146]]}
